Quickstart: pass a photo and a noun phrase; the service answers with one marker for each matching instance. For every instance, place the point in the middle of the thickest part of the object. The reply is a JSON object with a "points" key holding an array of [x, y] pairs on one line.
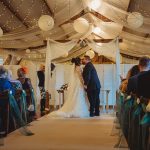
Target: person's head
{"points": [[134, 71], [21, 73], [42, 67], [3, 72], [76, 61], [86, 59], [144, 63]]}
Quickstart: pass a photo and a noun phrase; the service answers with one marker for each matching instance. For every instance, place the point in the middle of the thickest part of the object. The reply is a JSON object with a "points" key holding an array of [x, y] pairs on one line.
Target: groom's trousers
{"points": [[93, 96]]}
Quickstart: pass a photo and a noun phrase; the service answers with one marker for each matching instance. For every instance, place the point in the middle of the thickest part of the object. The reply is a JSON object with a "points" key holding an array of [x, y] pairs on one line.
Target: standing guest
{"points": [[41, 77], [27, 86], [144, 65], [92, 86]]}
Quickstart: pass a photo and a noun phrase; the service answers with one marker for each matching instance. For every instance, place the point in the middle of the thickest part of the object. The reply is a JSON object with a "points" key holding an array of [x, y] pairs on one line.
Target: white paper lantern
{"points": [[65, 55], [46, 22], [18, 58], [90, 53], [28, 51], [81, 25], [1, 32], [135, 20]]}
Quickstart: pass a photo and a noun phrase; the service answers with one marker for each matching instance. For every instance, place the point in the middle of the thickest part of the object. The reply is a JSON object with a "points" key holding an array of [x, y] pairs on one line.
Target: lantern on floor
{"points": [[46, 22], [1, 32], [90, 53], [135, 20], [81, 25]]}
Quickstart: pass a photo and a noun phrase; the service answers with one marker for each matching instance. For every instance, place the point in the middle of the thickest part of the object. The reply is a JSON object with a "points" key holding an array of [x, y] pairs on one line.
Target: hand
{"points": [[85, 87]]}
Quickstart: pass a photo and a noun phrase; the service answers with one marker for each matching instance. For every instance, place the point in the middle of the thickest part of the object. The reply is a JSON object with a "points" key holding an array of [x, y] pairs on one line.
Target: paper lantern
{"points": [[95, 4], [46, 22], [90, 53], [28, 51], [65, 55], [1, 32], [135, 20], [18, 58], [81, 25]]}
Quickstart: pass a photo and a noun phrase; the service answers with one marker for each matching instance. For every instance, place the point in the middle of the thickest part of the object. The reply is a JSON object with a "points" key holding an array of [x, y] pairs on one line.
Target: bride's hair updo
{"points": [[76, 61]]}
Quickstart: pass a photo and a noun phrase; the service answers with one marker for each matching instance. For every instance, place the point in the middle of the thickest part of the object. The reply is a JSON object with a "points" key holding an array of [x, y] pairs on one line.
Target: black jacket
{"points": [[143, 87], [41, 77], [90, 77], [133, 83]]}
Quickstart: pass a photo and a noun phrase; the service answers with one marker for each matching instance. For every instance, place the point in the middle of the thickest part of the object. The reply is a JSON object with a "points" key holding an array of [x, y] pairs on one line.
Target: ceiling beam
{"points": [[52, 14], [11, 9]]}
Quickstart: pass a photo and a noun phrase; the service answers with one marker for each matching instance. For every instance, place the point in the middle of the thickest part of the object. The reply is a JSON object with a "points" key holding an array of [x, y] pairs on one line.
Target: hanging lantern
{"points": [[135, 20], [81, 25], [90, 53], [46, 22], [18, 58], [65, 55], [28, 51], [1, 32]]}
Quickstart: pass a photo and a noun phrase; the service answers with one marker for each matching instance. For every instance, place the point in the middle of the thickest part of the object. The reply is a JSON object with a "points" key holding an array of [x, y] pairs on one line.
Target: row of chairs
{"points": [[14, 111], [134, 121]]}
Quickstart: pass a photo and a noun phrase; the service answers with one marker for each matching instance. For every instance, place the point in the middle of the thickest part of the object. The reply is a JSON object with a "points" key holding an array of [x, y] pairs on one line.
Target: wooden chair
{"points": [[4, 112]]}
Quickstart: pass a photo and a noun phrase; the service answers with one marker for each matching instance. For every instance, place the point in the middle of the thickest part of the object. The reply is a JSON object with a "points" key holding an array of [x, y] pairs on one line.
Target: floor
{"points": [[65, 134]]}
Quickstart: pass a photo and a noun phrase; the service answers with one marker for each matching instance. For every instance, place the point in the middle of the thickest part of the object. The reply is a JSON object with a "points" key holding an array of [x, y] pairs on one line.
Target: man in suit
{"points": [[144, 65], [92, 86]]}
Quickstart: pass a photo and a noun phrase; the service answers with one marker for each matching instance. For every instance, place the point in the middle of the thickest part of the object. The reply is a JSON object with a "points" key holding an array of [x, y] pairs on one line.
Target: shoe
{"points": [[96, 114], [91, 115], [26, 132]]}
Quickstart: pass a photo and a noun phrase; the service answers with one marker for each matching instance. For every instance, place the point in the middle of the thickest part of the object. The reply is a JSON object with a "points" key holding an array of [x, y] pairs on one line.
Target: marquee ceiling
{"points": [[18, 19]]}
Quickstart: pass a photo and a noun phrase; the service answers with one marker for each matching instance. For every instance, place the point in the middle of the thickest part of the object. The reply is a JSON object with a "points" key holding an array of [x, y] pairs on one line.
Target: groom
{"points": [[92, 86]]}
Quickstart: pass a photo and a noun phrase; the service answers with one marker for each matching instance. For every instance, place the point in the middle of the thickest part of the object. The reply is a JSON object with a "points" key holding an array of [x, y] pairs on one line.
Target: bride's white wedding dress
{"points": [[76, 105]]}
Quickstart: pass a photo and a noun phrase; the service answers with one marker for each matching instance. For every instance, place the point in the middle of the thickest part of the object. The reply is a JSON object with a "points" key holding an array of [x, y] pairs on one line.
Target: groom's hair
{"points": [[87, 57]]}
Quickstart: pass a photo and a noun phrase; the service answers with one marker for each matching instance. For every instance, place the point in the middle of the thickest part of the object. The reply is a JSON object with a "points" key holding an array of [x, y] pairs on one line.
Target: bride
{"points": [[76, 105]]}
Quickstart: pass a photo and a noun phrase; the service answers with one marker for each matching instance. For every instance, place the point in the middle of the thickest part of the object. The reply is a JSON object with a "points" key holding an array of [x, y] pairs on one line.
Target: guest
{"points": [[27, 86], [132, 72], [144, 65], [4, 82], [5, 85], [41, 77]]}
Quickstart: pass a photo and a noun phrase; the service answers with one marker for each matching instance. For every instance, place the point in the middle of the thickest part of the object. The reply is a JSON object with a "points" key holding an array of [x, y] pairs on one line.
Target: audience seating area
{"points": [[134, 121], [14, 112]]}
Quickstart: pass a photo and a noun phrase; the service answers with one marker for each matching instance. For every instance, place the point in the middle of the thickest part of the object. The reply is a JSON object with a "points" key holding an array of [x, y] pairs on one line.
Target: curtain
{"points": [[53, 51]]}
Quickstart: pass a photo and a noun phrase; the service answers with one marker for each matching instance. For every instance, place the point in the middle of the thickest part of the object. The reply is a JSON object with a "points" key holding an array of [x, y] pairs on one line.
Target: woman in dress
{"points": [[76, 105]]}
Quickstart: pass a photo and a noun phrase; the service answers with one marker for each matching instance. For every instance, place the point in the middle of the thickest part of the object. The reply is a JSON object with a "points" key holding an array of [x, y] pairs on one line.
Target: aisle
{"points": [[65, 134]]}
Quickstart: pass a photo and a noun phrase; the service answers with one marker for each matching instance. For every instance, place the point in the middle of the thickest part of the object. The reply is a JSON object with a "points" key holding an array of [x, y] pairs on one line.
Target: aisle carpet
{"points": [[65, 134]]}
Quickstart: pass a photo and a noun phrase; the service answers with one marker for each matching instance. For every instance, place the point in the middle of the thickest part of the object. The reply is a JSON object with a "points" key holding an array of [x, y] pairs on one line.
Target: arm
{"points": [[87, 75]]}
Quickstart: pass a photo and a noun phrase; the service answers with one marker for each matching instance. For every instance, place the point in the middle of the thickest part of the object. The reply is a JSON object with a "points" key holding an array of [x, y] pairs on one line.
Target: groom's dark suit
{"points": [[92, 82]]}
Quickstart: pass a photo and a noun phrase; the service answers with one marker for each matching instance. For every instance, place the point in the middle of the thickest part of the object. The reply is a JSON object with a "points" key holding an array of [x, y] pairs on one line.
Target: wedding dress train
{"points": [[76, 105]]}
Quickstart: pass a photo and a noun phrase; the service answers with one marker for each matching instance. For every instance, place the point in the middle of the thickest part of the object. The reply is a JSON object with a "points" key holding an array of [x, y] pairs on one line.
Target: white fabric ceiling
{"points": [[19, 18]]}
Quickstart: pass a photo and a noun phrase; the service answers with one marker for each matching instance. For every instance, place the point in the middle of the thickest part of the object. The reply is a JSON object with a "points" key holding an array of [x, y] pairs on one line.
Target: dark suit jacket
{"points": [[90, 77], [143, 87], [133, 83], [41, 77]]}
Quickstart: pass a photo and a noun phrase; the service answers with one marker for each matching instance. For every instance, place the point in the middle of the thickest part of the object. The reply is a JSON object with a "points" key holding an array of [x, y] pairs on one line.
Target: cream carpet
{"points": [[65, 134]]}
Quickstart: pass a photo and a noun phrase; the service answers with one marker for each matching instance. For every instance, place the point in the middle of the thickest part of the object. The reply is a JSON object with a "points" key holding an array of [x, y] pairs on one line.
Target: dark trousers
{"points": [[94, 100], [43, 98]]}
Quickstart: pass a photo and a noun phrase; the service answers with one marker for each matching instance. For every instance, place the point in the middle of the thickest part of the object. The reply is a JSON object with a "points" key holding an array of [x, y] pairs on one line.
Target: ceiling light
{"points": [[97, 30], [95, 4]]}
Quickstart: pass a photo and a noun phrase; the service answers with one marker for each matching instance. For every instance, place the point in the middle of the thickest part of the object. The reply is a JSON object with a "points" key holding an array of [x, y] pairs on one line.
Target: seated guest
{"points": [[5, 85], [27, 86], [15, 83], [144, 65], [143, 86], [4, 82], [132, 72]]}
